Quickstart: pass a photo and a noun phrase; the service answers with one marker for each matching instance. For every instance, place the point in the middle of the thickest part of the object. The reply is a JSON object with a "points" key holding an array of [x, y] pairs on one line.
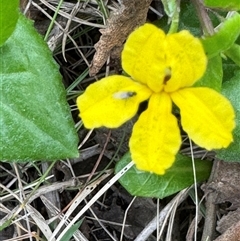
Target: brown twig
{"points": [[205, 21], [210, 216]]}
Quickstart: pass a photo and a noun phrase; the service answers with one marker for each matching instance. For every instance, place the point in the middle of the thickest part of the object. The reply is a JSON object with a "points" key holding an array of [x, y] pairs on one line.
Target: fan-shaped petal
{"points": [[186, 60], [206, 115], [143, 56], [156, 137], [111, 101]]}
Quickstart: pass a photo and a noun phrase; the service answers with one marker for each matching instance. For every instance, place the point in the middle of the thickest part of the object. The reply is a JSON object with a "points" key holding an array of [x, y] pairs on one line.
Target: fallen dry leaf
{"points": [[225, 187], [119, 25], [232, 234], [228, 220]]}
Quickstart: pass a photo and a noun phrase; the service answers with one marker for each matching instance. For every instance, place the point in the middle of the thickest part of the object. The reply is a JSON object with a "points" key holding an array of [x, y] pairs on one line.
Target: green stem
{"points": [[175, 19], [53, 19]]}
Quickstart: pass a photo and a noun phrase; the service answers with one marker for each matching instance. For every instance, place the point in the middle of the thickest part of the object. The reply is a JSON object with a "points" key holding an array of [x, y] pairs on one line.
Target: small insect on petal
{"points": [[124, 95]]}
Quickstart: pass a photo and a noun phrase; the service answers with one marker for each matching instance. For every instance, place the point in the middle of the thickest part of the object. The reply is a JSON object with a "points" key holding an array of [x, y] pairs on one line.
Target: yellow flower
{"points": [[162, 69]]}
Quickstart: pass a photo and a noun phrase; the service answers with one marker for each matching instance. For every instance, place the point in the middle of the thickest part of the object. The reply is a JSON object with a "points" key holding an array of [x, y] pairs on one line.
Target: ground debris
{"points": [[225, 189], [141, 212], [228, 220], [6, 233], [232, 234]]}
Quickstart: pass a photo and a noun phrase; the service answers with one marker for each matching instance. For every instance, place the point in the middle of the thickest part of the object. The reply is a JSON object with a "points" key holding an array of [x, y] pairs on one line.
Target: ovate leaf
{"points": [[224, 4], [35, 119], [9, 14], [224, 38], [231, 91], [213, 76], [176, 178], [234, 53]]}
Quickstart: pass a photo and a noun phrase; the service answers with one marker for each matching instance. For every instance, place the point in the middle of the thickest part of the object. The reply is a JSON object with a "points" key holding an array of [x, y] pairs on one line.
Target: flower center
{"points": [[168, 75]]}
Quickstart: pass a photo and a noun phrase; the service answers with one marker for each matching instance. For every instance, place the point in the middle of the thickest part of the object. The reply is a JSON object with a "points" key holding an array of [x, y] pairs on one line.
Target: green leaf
{"points": [[67, 236], [229, 69], [213, 75], [234, 53], [35, 118], [224, 38], [231, 90], [6, 224], [224, 4], [9, 14], [188, 19], [176, 178]]}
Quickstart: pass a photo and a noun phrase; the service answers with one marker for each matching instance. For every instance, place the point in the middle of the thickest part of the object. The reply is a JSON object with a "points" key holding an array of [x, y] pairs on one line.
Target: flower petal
{"points": [[143, 56], [156, 137], [206, 115], [111, 101], [186, 59]]}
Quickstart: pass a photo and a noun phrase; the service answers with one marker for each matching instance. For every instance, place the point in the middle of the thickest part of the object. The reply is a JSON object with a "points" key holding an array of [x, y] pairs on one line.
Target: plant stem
{"points": [[205, 21], [175, 18]]}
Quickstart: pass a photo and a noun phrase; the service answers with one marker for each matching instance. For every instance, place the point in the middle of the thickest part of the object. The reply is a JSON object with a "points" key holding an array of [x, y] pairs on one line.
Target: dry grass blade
{"points": [[162, 218], [94, 199], [85, 192], [125, 217], [74, 11], [58, 215], [40, 221], [68, 16]]}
